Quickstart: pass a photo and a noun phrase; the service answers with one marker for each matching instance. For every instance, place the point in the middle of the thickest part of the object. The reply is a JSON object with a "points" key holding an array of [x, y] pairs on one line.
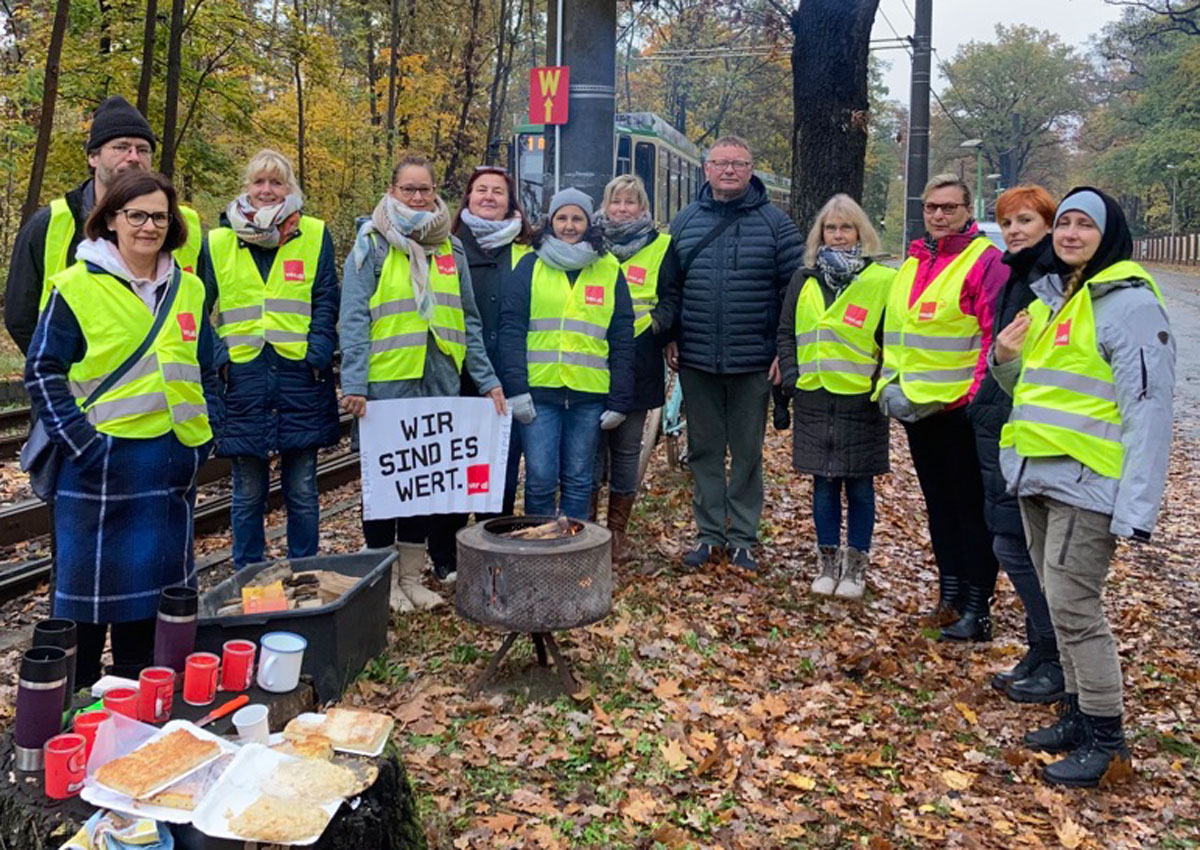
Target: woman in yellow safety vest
{"points": [[566, 352], [272, 273], [131, 431], [649, 263], [1091, 368], [410, 329], [829, 342]]}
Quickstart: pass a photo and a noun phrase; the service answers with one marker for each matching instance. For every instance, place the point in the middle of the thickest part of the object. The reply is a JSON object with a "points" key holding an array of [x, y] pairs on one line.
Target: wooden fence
{"points": [[1181, 250]]}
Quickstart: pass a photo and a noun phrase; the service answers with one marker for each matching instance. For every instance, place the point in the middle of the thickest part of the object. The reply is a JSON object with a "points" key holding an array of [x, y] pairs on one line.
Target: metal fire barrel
{"points": [[533, 585]]}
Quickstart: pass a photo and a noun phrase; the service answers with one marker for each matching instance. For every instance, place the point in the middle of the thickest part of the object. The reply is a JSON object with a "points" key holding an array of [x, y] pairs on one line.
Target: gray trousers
{"points": [[1072, 549], [726, 414]]}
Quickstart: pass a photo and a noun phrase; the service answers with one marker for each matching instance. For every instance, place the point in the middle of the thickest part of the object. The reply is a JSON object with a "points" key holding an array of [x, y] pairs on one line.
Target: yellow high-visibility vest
{"points": [[398, 333], [276, 311], [641, 273], [567, 342], [162, 392], [518, 251], [932, 347], [1065, 400], [835, 346], [61, 230]]}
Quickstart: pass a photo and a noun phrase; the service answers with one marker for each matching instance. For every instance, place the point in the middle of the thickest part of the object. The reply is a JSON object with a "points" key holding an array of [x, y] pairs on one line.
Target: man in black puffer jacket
{"points": [[737, 254]]}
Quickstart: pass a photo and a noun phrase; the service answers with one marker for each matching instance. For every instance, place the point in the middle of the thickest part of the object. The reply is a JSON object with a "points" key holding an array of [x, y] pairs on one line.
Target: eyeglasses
{"points": [[735, 164], [123, 148], [415, 191], [138, 218], [947, 209]]}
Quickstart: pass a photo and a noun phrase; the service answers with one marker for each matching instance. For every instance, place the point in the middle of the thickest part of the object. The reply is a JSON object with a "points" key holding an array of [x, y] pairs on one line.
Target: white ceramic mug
{"points": [[280, 656], [251, 722]]}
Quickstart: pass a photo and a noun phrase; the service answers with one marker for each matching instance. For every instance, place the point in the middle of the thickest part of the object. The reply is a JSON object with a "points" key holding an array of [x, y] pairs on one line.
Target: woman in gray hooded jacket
{"points": [[1091, 367]]}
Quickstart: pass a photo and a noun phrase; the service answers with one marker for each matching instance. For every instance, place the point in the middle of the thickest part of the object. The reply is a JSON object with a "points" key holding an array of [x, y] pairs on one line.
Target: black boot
{"points": [[947, 610], [1045, 684], [1086, 765], [976, 620], [1028, 663], [1067, 733]]}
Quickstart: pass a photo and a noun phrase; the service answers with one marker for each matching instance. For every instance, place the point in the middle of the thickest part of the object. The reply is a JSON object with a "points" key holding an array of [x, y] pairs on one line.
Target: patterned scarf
{"points": [[566, 257], [417, 233], [492, 234], [840, 265], [266, 228], [626, 238]]}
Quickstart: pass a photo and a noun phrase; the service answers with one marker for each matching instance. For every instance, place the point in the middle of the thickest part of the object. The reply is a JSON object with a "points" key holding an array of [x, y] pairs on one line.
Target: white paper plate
{"points": [[314, 720], [239, 786]]}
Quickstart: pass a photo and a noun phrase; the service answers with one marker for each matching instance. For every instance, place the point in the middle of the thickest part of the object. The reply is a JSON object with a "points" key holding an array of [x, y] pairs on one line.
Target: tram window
{"points": [[668, 167], [623, 164], [644, 162]]}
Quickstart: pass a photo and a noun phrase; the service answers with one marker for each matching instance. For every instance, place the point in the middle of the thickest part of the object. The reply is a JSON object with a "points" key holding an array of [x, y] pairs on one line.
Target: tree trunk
{"points": [[49, 99], [171, 109], [143, 96], [393, 60], [830, 101], [297, 54], [372, 96], [470, 80]]}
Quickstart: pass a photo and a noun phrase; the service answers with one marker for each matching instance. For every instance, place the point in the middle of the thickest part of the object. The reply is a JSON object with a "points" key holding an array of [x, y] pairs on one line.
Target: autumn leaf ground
{"points": [[736, 712]]}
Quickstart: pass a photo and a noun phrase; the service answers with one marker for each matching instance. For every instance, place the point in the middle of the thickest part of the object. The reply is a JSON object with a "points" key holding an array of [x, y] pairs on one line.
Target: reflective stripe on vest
{"points": [[162, 392], [1065, 400], [61, 230], [933, 347], [641, 274], [567, 342], [399, 335], [835, 346], [278, 311]]}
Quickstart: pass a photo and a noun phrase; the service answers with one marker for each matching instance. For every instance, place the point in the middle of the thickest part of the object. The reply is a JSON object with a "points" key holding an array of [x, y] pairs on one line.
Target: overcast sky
{"points": [[956, 22]]}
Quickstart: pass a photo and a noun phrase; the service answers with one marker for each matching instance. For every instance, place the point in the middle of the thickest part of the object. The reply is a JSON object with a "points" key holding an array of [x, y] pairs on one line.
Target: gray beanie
{"points": [[1086, 202], [568, 196]]}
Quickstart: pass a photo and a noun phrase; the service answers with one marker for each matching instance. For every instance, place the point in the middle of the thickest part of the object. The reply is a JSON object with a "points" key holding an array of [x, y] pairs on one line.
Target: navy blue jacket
{"points": [[273, 404], [728, 302], [514, 328]]}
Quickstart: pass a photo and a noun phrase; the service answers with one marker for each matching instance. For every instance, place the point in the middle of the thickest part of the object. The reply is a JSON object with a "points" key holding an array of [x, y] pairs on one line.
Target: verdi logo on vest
{"points": [[855, 316], [187, 326], [928, 311], [293, 270], [478, 478], [594, 295], [1062, 334], [635, 275], [445, 263]]}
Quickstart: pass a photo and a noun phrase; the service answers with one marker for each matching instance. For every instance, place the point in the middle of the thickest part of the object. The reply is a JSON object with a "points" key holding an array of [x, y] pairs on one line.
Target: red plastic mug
{"points": [[86, 724], [156, 686], [237, 665], [200, 678], [66, 765], [122, 701]]}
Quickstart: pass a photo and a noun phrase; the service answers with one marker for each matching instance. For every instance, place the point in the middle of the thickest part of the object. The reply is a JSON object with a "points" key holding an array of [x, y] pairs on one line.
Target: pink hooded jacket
{"points": [[978, 299]]}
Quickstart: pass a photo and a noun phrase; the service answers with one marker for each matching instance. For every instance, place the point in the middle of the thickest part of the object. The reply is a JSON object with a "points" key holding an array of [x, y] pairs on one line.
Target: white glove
{"points": [[522, 408], [610, 419]]}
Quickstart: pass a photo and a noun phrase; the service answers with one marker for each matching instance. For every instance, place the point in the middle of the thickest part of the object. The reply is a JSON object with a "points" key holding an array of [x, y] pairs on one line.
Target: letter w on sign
{"points": [[548, 88]]}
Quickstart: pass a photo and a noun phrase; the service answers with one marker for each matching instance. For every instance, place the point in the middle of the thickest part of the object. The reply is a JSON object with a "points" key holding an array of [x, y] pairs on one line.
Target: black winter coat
{"points": [[489, 271], [834, 436], [990, 408], [272, 403], [728, 303], [27, 269]]}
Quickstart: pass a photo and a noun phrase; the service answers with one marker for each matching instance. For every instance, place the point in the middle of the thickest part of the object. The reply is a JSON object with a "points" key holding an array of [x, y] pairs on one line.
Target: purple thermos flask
{"points": [[175, 631]]}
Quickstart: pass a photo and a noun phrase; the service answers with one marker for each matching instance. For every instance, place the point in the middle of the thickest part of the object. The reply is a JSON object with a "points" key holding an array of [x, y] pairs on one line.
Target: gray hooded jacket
{"points": [[1133, 335]]}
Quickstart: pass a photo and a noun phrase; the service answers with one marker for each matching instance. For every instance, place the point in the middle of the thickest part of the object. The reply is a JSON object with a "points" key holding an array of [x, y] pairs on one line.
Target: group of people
{"points": [[1034, 386]]}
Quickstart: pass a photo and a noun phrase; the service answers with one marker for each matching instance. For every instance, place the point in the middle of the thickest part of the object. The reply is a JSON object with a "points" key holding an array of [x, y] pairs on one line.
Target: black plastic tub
{"points": [[342, 636]]}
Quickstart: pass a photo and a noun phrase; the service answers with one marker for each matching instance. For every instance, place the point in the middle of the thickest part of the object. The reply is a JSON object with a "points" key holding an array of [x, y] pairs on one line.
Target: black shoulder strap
{"points": [[164, 310], [708, 238]]}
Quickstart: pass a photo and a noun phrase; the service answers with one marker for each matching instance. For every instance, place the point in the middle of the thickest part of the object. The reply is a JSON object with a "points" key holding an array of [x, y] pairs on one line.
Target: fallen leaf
{"points": [[798, 780], [967, 712], [1070, 834], [639, 806], [674, 755], [958, 780], [667, 689], [500, 823]]}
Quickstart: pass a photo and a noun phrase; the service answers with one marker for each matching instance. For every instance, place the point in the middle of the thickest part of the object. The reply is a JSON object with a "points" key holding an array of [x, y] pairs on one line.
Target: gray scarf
{"points": [[840, 265], [417, 233], [262, 227], [492, 234], [626, 238], [566, 257]]}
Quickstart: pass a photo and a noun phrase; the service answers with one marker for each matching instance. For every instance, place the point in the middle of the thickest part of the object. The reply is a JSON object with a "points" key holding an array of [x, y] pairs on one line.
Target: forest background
{"points": [[342, 85]]}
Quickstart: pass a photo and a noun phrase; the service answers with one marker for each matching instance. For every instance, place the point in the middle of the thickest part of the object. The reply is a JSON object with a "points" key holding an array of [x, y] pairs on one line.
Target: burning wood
{"points": [[561, 527]]}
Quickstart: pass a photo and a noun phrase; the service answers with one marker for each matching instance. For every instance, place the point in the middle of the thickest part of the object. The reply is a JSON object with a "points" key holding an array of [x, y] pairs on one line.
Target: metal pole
{"points": [[1174, 200], [918, 121], [979, 208], [558, 127]]}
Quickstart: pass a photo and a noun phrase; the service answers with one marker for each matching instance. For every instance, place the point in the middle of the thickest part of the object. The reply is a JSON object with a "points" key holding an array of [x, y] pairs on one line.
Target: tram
{"points": [[645, 145]]}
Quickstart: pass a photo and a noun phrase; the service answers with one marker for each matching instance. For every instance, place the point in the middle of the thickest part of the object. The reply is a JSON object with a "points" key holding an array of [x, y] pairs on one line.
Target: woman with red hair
{"points": [[1026, 217]]}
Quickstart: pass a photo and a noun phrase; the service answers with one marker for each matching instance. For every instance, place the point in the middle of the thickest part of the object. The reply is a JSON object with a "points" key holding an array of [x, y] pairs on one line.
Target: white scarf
{"points": [[106, 255], [417, 233], [492, 234], [261, 227]]}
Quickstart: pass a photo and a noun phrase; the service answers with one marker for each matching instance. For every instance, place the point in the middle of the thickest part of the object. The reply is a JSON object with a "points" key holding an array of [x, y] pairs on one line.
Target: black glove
{"points": [[782, 416]]}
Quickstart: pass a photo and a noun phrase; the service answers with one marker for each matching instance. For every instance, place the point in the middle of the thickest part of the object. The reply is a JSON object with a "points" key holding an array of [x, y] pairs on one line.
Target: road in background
{"points": [[1181, 290]]}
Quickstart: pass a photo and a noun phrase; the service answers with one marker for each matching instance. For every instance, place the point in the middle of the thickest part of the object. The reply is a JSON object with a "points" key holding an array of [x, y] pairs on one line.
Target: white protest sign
{"points": [[424, 456]]}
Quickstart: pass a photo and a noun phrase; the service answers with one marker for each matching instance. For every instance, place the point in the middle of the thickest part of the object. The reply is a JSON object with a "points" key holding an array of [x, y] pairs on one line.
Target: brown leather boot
{"points": [[619, 508]]}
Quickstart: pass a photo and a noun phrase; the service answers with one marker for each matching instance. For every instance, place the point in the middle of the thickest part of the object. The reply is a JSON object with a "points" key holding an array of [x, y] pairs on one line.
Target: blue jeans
{"points": [[560, 451], [618, 453], [860, 510], [1013, 555], [251, 480]]}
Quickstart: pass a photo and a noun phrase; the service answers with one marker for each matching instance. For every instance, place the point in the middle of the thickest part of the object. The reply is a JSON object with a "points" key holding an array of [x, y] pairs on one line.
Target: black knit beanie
{"points": [[116, 117]]}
